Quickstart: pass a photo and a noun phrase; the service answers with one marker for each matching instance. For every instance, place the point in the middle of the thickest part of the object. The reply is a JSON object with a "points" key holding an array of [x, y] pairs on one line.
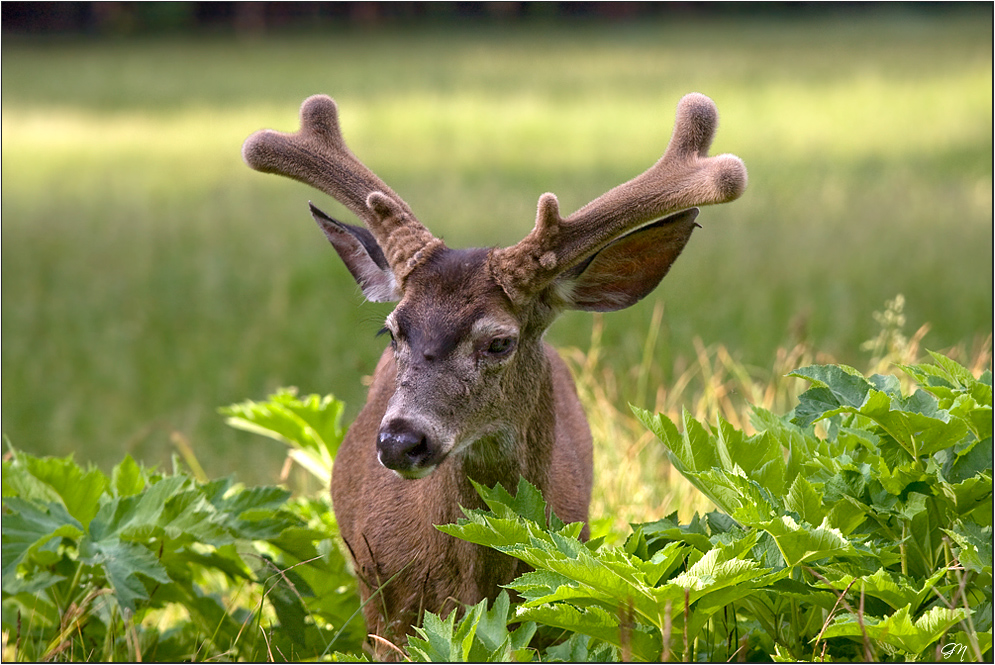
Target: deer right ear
{"points": [[628, 269], [363, 257]]}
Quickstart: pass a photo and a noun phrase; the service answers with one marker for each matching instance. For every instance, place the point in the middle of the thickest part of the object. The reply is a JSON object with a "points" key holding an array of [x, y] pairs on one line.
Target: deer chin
{"points": [[416, 473]]}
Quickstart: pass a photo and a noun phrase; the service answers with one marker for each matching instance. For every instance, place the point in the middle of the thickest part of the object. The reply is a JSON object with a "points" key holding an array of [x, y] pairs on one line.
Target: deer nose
{"points": [[404, 448]]}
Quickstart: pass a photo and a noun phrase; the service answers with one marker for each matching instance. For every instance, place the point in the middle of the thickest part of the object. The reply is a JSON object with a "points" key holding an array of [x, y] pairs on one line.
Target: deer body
{"points": [[468, 390], [377, 510]]}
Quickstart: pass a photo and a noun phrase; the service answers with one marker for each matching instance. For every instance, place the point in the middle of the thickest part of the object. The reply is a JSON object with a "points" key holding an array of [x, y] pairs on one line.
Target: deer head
{"points": [[467, 330]]}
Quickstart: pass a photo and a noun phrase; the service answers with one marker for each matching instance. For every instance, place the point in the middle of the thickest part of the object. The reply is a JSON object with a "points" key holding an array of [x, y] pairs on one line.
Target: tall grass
{"points": [[148, 276], [634, 481]]}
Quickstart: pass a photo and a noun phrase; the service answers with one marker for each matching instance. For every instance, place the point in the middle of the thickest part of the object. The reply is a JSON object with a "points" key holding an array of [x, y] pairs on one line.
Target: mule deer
{"points": [[468, 389]]}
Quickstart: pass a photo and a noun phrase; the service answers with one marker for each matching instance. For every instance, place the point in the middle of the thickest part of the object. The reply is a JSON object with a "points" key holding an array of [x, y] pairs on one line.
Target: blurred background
{"points": [[149, 277]]}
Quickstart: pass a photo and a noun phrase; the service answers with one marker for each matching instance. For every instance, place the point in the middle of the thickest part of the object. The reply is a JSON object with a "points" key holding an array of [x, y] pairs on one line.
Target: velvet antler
{"points": [[683, 178], [317, 155]]}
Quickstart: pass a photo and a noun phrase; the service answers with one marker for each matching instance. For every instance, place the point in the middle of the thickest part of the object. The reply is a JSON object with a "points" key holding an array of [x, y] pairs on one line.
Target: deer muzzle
{"points": [[407, 449]]}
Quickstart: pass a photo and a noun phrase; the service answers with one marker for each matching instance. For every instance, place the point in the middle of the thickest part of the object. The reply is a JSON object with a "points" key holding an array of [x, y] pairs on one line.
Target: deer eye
{"points": [[386, 331], [501, 346]]}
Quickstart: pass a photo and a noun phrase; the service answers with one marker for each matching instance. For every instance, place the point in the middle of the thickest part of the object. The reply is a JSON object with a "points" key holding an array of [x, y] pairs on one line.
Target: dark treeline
{"points": [[122, 18]]}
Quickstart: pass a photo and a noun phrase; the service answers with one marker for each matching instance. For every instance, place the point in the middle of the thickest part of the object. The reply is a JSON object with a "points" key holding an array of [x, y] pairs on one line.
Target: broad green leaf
{"points": [[975, 544], [30, 526], [122, 563], [310, 425], [918, 433], [51, 478], [847, 515], [957, 373], [897, 478], [898, 629], [691, 451], [895, 589], [800, 543], [971, 461], [137, 514], [716, 570], [480, 636], [805, 500], [658, 533], [642, 642], [800, 443], [761, 456], [969, 494], [578, 648], [527, 503], [835, 386], [806, 593], [127, 477], [493, 641]]}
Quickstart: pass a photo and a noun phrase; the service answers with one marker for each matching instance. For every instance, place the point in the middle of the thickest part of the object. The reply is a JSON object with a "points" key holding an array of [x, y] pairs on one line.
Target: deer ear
{"points": [[627, 270], [362, 256]]}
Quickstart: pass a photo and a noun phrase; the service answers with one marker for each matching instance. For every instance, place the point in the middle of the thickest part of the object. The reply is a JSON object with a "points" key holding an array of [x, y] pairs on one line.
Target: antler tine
{"points": [[683, 178], [317, 155]]}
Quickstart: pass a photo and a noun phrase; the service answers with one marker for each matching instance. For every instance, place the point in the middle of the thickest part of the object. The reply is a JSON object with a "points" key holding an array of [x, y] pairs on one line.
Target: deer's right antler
{"points": [[317, 155], [683, 178]]}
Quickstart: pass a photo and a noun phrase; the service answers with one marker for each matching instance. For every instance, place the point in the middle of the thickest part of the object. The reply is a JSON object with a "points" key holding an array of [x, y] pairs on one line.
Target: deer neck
{"points": [[520, 448]]}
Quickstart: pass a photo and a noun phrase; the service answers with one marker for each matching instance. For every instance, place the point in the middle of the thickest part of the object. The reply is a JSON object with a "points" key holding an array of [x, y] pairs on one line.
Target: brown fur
{"points": [[469, 390], [387, 521]]}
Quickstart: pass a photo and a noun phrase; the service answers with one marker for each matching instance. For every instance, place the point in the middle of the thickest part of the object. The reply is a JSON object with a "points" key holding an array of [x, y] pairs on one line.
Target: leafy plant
{"points": [[147, 565], [856, 527], [311, 427], [881, 504]]}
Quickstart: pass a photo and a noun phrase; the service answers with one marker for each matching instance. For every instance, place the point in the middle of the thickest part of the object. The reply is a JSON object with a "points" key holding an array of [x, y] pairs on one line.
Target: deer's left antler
{"points": [[317, 155]]}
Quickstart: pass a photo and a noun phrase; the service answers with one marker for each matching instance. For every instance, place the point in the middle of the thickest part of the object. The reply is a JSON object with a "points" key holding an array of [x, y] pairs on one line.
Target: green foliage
{"points": [[867, 538], [311, 427], [856, 527], [481, 636], [153, 566]]}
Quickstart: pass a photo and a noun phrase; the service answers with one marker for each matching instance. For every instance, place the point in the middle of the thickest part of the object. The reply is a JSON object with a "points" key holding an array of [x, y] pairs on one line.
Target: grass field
{"points": [[149, 277]]}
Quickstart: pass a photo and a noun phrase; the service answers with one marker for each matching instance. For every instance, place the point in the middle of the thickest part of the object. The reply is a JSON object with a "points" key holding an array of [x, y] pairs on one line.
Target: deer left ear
{"points": [[627, 270], [361, 254]]}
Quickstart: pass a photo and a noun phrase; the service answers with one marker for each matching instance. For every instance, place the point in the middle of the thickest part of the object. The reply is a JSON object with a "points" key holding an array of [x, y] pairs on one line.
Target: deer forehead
{"points": [[451, 300]]}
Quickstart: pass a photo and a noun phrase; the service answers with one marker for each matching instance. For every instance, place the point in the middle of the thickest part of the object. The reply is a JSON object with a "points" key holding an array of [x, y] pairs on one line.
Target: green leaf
{"points": [[691, 451], [895, 589], [599, 623], [482, 635], [975, 543], [969, 494], [918, 433], [57, 478], [761, 456], [968, 463], [664, 531], [580, 648], [29, 527], [805, 500], [137, 514], [835, 386], [898, 629], [527, 503], [128, 478], [800, 543], [122, 563], [311, 426]]}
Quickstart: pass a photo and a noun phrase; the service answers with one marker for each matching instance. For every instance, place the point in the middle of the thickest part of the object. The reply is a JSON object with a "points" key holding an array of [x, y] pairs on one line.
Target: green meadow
{"points": [[149, 277]]}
